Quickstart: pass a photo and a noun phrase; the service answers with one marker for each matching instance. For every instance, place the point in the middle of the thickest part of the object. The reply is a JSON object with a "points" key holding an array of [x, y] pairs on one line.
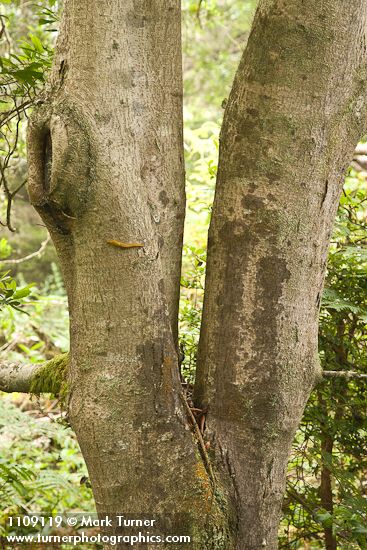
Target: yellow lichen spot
{"points": [[206, 488]]}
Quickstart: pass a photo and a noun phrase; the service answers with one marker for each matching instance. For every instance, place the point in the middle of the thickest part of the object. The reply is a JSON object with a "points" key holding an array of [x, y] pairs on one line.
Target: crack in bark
{"points": [[232, 476], [325, 193]]}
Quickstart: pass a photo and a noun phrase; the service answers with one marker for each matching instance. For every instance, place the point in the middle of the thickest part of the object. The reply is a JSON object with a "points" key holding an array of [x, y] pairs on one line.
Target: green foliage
{"points": [[49, 17], [191, 303], [25, 64], [26, 70], [25, 58], [41, 468], [15, 478], [214, 34], [42, 334], [201, 152], [5, 249], [11, 295], [333, 434]]}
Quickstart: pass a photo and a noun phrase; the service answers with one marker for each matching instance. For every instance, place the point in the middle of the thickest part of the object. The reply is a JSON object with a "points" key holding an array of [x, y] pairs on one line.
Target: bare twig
{"points": [[4, 33], [4, 165], [201, 442], [198, 11], [30, 256], [349, 374], [9, 115]]}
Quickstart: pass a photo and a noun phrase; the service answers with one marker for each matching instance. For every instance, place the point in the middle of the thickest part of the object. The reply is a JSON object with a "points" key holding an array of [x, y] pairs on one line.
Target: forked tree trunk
{"points": [[105, 164]]}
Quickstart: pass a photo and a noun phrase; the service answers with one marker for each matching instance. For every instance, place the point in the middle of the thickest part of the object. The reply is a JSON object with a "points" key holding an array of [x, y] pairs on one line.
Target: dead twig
{"points": [[30, 256], [349, 374], [201, 442]]}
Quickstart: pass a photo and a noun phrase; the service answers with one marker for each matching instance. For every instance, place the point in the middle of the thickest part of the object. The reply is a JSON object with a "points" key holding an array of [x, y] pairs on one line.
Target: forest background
{"points": [[41, 468]]}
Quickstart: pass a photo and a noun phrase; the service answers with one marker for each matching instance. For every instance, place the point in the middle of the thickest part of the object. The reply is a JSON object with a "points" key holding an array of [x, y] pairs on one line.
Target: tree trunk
{"points": [[295, 113], [106, 174]]}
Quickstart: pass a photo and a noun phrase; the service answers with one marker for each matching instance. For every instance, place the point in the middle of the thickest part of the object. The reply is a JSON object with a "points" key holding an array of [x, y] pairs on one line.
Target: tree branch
{"points": [[349, 374], [16, 377], [48, 377], [35, 254]]}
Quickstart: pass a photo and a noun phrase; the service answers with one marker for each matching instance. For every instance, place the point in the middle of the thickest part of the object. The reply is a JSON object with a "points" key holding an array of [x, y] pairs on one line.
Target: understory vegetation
{"points": [[41, 467]]}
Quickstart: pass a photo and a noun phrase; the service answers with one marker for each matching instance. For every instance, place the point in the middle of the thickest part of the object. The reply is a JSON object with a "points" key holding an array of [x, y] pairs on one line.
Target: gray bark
{"points": [[292, 121], [105, 164], [48, 377], [16, 377]]}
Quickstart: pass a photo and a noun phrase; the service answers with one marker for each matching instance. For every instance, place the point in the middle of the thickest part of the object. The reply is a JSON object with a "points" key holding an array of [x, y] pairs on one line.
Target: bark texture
{"points": [[106, 174], [48, 377], [293, 118], [16, 377]]}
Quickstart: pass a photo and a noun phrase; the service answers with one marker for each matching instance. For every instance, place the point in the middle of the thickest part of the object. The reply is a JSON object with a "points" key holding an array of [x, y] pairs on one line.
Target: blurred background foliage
{"points": [[41, 468]]}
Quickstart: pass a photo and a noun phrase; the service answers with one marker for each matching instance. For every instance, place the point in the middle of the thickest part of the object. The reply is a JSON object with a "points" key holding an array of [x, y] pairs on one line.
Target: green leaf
{"points": [[22, 293], [37, 43]]}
